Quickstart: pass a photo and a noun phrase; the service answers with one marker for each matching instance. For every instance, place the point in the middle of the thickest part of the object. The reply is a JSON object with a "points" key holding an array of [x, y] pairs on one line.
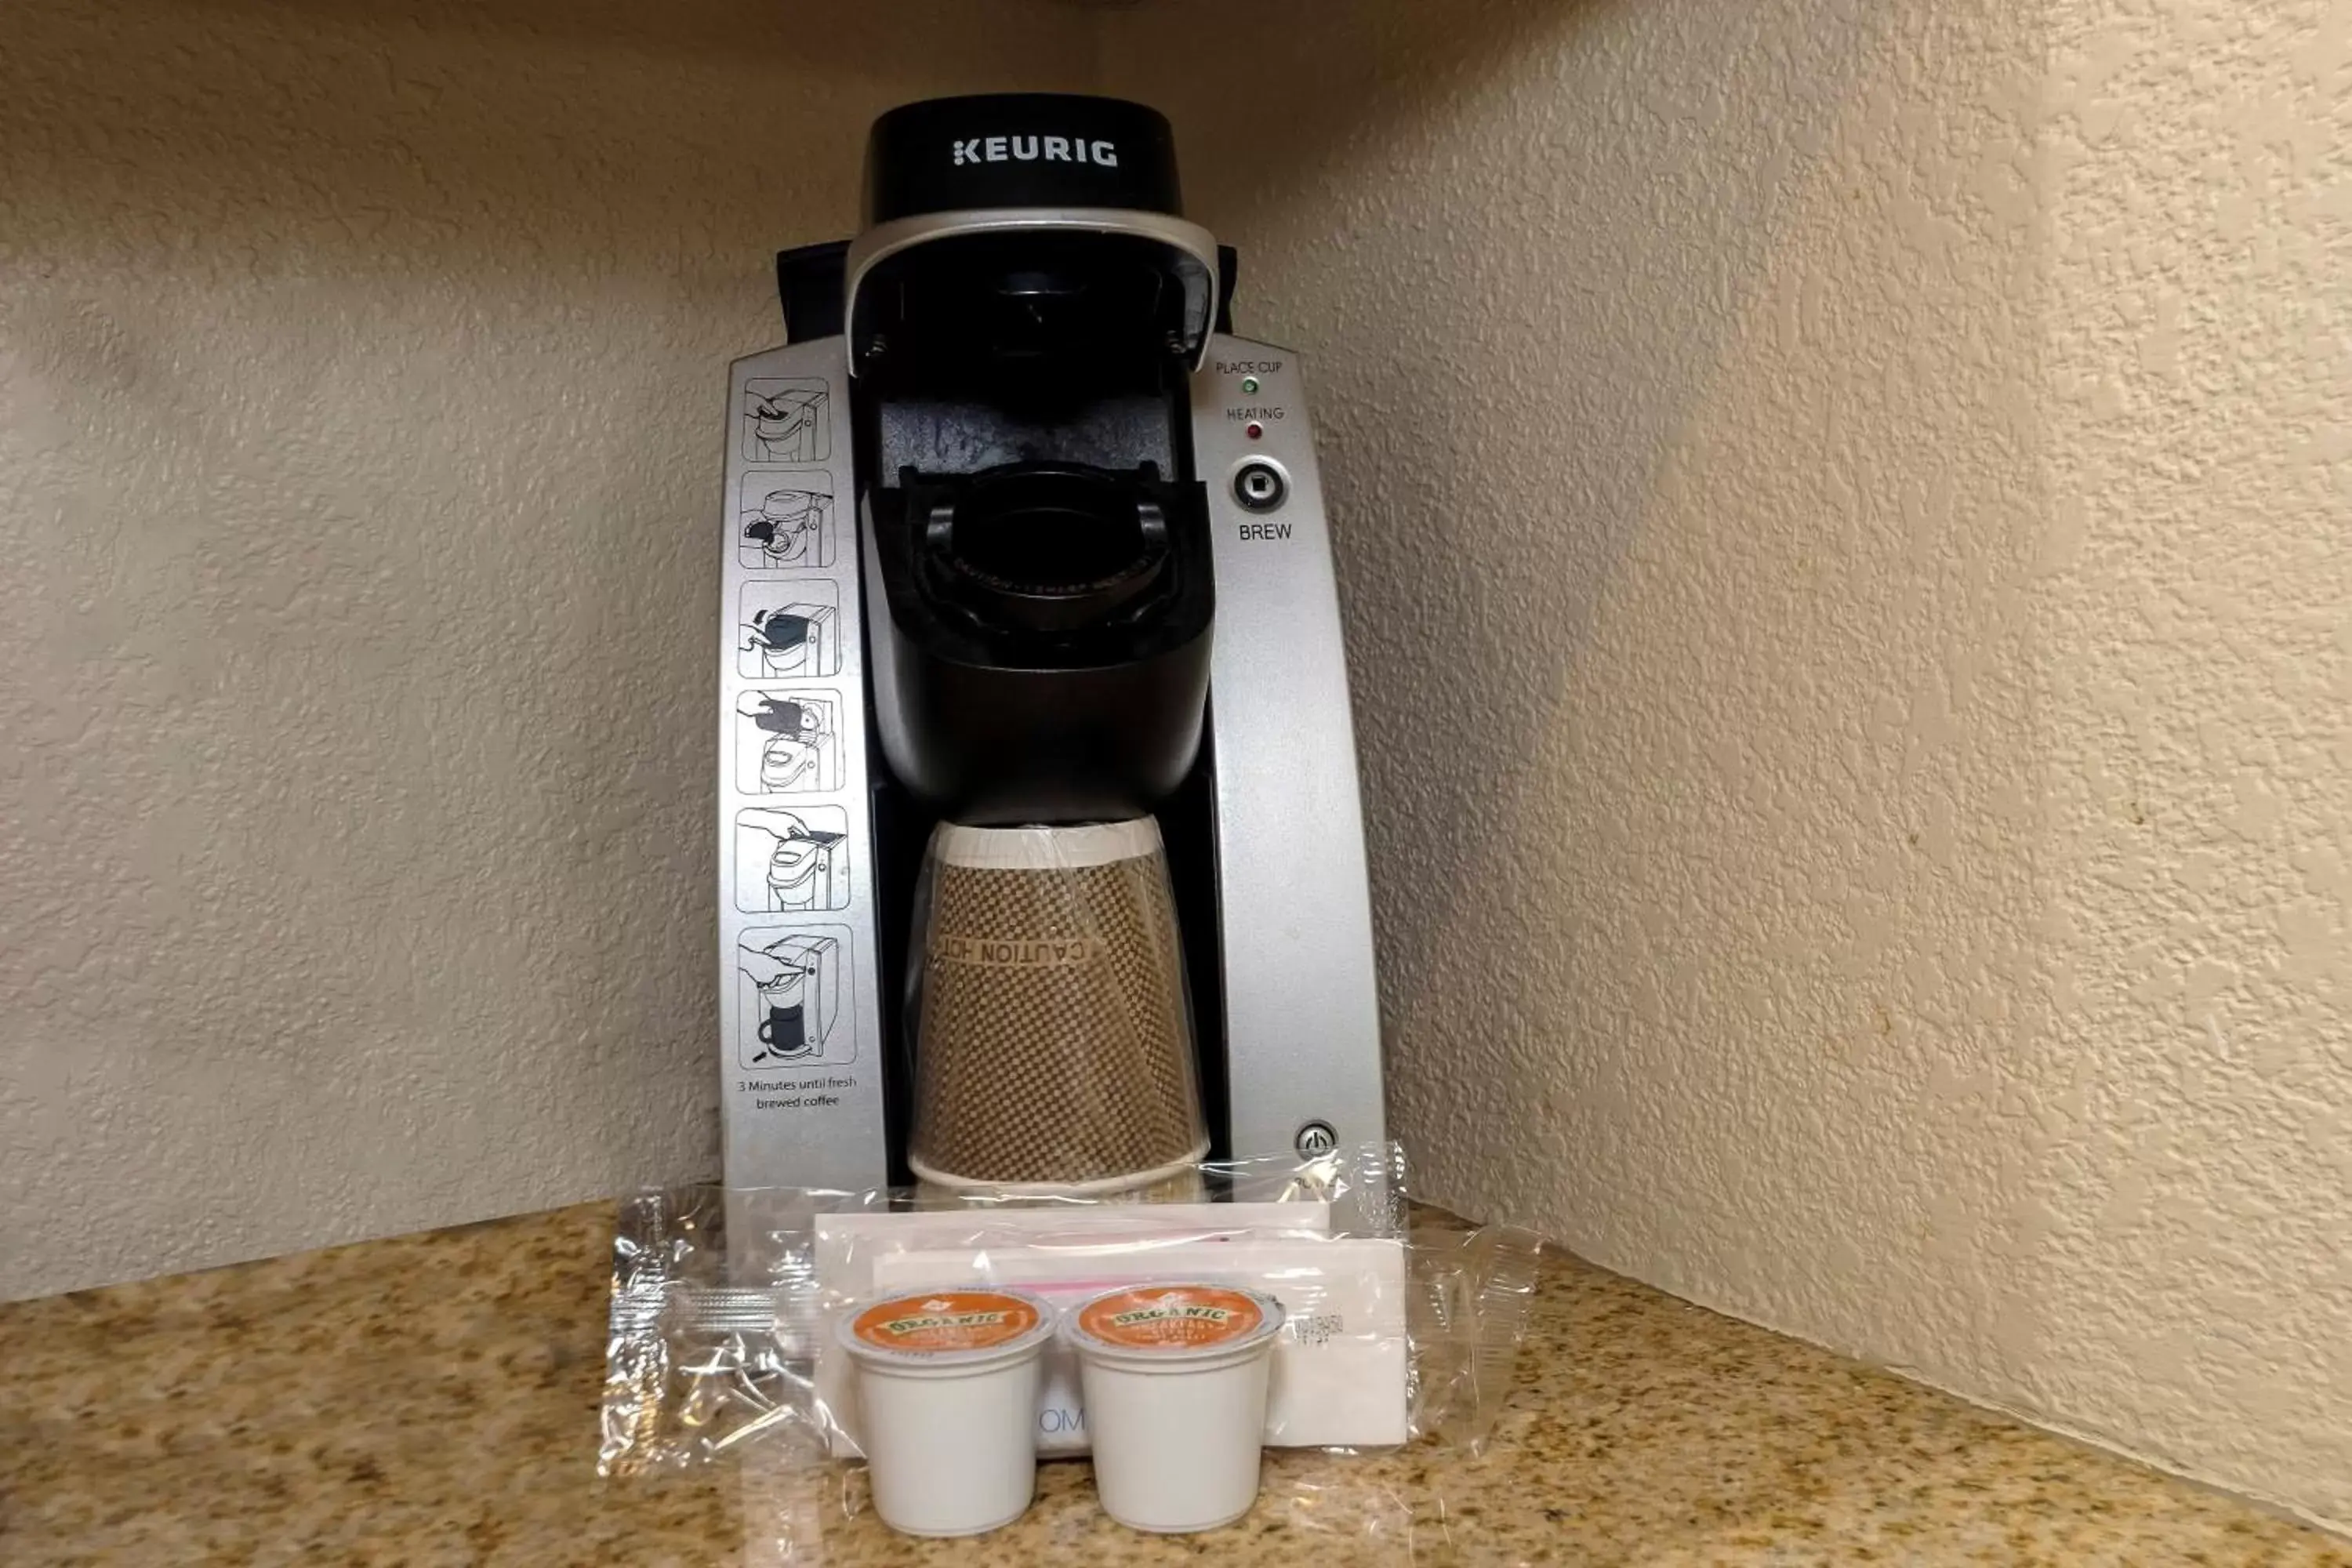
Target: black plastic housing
{"points": [[809, 284], [1012, 314], [1044, 681]]}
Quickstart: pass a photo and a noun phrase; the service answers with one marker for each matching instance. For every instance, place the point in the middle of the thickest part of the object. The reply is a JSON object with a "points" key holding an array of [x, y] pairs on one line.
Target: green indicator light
{"points": [[1249, 383]]}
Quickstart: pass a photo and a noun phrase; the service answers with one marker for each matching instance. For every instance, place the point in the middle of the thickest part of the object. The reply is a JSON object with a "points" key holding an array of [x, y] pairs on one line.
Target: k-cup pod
{"points": [[1175, 1379], [946, 1389]]}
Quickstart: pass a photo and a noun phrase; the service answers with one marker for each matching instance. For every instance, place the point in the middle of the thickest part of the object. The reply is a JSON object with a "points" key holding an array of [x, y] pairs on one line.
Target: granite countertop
{"points": [[432, 1399]]}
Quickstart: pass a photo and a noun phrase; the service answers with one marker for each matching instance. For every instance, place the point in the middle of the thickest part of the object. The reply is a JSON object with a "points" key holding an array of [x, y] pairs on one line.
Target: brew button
{"points": [[1260, 487], [1317, 1137]]}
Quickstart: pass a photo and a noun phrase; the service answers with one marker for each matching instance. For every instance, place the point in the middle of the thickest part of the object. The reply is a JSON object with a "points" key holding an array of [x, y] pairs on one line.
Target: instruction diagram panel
{"points": [[799, 1020]]}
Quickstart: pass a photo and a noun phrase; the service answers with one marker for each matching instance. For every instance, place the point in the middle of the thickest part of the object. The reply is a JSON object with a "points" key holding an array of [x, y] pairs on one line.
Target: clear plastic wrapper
{"points": [[1471, 1292], [724, 1300]]}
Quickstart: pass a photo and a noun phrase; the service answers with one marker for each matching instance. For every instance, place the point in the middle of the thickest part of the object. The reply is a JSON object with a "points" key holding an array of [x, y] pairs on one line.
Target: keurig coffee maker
{"points": [[1017, 529]]}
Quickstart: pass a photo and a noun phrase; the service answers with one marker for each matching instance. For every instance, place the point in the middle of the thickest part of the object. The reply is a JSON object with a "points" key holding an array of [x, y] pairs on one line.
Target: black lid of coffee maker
{"points": [[1020, 149]]}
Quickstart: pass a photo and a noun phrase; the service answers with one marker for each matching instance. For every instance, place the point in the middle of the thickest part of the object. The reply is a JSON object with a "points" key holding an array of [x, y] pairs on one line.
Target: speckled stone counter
{"points": [[432, 1400]]}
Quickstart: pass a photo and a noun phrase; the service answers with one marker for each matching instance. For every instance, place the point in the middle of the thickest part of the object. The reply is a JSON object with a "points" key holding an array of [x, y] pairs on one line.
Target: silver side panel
{"points": [[799, 1020], [1302, 1013]]}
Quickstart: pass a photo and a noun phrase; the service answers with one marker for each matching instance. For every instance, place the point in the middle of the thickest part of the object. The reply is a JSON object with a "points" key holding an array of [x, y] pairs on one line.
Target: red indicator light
{"points": [[1253, 429]]}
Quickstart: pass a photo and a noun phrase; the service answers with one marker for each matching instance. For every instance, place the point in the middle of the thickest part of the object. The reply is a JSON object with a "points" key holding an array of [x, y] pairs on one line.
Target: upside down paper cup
{"points": [[1054, 1047], [1175, 1381], [947, 1391]]}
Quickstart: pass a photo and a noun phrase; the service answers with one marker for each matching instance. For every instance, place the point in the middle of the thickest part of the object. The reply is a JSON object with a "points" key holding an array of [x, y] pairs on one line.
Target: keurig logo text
{"points": [[1035, 150]]}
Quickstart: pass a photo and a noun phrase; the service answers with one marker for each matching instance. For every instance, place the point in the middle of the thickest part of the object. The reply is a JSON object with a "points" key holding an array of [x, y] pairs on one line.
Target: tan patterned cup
{"points": [[1053, 1044]]}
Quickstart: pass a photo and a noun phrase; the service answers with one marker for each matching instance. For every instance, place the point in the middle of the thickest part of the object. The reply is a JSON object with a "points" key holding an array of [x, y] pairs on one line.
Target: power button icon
{"points": [[1314, 1139]]}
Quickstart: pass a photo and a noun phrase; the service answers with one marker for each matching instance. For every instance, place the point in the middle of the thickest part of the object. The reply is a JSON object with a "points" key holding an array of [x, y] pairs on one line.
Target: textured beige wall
{"points": [[1847, 529], [360, 372]]}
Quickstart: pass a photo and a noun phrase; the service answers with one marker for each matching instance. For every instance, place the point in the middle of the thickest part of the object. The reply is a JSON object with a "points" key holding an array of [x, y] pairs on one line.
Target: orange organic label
{"points": [[946, 1320], [1173, 1317]]}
